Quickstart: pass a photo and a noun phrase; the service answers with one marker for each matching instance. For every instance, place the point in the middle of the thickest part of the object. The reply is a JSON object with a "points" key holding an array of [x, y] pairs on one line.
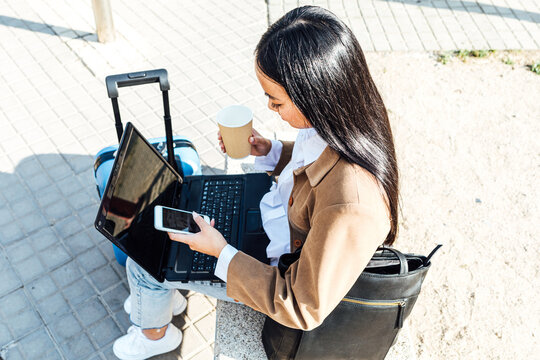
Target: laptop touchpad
{"points": [[254, 222]]}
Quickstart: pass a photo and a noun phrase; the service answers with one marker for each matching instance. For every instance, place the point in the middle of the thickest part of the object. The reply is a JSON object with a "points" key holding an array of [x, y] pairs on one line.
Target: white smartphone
{"points": [[175, 220]]}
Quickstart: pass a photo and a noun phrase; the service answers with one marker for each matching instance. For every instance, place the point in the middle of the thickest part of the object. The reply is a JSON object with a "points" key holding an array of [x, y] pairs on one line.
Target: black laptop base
{"points": [[248, 236]]}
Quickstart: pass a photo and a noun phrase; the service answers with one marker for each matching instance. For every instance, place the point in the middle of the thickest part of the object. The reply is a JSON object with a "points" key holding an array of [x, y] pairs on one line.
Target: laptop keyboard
{"points": [[221, 200]]}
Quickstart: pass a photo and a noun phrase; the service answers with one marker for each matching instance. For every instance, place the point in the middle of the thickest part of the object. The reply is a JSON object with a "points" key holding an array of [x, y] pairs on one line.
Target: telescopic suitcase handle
{"points": [[114, 82]]}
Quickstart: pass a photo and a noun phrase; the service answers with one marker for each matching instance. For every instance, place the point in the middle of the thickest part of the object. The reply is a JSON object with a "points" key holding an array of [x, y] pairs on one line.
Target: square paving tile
{"points": [[88, 214], [107, 249], [107, 353], [65, 327], [33, 222], [5, 215], [207, 327], [206, 354], [58, 211], [48, 196], [91, 311], [35, 345], [115, 297], [54, 256], [78, 347], [19, 251], [23, 207], [14, 353], [10, 280], [191, 343], [5, 335], [79, 292], [29, 268], [198, 306], [10, 233], [60, 171], [82, 200], [123, 320], [53, 307], [67, 274], [23, 322], [91, 260], [13, 303], [38, 182], [78, 243], [105, 332], [15, 193], [42, 287], [104, 278], [68, 226]]}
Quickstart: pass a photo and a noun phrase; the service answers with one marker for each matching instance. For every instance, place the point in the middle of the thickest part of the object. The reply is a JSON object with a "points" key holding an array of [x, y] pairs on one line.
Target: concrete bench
{"points": [[238, 335]]}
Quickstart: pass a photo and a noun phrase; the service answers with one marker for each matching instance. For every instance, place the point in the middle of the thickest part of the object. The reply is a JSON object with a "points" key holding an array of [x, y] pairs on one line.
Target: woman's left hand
{"points": [[208, 240]]}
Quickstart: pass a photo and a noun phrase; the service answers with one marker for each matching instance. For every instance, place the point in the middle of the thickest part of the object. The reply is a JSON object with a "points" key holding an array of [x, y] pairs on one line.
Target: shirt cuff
{"points": [[224, 259], [269, 162]]}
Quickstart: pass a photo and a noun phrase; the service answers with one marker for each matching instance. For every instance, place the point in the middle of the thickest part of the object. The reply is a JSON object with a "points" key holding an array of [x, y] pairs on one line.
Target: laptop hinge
{"points": [[181, 196], [171, 256]]}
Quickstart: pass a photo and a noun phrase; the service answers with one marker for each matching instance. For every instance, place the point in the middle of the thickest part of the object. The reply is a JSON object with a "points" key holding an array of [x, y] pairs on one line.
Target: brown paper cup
{"points": [[235, 124]]}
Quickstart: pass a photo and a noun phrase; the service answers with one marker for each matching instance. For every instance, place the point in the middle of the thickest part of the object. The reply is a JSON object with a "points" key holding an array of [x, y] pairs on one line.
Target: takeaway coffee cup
{"points": [[235, 124]]}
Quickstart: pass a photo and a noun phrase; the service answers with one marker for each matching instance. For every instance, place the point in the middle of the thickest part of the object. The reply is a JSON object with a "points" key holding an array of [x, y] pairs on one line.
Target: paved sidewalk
{"points": [[430, 25], [61, 291]]}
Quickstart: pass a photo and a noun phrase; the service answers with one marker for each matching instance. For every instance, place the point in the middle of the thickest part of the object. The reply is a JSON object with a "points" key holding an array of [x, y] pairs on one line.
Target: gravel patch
{"points": [[467, 143]]}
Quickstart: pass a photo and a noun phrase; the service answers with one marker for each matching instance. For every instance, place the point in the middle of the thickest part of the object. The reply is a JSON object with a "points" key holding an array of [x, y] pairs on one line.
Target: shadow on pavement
{"points": [[45, 28], [61, 289]]}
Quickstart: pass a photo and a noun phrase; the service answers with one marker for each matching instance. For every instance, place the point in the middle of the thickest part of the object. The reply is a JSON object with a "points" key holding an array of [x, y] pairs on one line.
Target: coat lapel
{"points": [[317, 170]]}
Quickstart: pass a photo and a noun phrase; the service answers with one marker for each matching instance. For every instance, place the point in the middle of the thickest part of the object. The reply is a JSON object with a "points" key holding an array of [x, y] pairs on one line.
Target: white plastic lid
{"points": [[234, 116]]}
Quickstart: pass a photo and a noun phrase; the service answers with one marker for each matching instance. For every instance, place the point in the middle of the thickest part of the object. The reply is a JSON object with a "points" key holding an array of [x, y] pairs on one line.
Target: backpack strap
{"points": [[403, 265], [431, 254]]}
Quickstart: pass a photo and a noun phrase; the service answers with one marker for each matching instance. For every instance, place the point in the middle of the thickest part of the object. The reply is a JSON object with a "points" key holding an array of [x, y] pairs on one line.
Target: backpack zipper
{"points": [[401, 307]]}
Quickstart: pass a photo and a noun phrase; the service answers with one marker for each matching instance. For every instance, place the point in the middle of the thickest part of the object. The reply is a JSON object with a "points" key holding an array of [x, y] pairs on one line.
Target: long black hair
{"points": [[319, 63]]}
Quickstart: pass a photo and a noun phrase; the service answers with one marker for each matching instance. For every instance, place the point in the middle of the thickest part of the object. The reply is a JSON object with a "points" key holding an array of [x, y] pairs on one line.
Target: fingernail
{"points": [[251, 139], [195, 214]]}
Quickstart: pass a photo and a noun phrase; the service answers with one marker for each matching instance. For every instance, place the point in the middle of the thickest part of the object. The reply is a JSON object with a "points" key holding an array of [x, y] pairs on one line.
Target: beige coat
{"points": [[338, 212]]}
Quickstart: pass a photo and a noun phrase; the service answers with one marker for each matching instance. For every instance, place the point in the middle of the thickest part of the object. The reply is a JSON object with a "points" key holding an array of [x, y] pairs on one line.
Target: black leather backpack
{"points": [[365, 324]]}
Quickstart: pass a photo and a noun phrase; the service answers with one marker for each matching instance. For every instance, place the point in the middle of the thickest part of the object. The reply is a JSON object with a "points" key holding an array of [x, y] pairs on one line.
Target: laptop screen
{"points": [[140, 180]]}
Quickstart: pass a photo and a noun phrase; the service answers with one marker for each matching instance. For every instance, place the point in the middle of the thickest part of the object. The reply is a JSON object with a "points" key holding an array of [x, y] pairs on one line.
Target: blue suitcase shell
{"points": [[186, 156]]}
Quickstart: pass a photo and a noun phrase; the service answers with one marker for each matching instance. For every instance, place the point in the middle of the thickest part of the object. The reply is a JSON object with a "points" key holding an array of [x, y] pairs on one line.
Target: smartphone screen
{"points": [[179, 220]]}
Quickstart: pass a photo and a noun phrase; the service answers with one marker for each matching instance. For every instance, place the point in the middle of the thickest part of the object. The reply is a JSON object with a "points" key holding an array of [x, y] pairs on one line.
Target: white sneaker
{"points": [[135, 346], [180, 304]]}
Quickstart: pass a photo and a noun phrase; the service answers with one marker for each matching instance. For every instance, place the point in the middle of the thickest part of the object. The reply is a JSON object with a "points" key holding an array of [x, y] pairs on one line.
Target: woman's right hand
{"points": [[260, 146]]}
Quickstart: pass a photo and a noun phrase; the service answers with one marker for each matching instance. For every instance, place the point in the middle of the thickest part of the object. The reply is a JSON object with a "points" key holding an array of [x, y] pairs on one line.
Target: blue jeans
{"points": [[152, 301]]}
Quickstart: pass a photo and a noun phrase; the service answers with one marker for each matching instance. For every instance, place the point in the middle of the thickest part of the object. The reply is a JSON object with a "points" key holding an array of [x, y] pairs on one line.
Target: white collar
{"points": [[310, 145]]}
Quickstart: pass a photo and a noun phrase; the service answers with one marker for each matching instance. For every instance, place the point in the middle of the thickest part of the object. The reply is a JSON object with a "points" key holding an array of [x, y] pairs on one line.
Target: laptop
{"points": [[141, 179]]}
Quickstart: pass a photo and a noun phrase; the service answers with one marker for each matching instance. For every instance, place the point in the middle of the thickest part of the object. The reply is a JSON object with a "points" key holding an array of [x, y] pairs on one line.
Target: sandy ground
{"points": [[467, 142]]}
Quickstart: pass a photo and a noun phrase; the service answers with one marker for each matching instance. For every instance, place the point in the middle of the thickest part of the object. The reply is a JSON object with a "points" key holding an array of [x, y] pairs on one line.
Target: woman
{"points": [[336, 196]]}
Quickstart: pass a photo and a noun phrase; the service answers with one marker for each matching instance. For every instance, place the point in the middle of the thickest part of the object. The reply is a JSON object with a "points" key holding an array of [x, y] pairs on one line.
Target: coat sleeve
{"points": [[286, 154], [338, 247]]}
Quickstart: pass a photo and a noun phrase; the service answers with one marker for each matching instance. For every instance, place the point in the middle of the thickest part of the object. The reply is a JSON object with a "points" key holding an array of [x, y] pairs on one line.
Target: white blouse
{"points": [[307, 148]]}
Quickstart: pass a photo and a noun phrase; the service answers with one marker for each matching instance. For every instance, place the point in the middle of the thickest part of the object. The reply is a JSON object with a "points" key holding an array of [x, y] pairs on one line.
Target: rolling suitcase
{"points": [[178, 147]]}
